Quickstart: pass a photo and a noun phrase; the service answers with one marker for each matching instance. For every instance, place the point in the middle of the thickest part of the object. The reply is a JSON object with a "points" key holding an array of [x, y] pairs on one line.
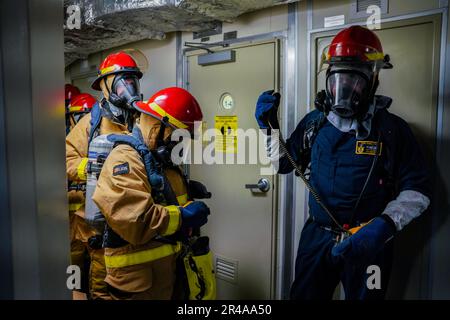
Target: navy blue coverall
{"points": [[338, 174]]}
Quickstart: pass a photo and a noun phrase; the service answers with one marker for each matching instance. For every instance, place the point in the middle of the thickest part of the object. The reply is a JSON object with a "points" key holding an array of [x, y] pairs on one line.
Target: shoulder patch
{"points": [[120, 169]]}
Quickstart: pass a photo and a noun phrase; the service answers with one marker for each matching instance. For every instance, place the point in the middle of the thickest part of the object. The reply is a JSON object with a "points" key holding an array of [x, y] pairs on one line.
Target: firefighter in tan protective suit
{"points": [[77, 108], [118, 79], [140, 263]]}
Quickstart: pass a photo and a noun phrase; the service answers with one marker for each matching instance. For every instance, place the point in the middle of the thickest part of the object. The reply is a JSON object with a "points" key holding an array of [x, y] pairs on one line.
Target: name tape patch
{"points": [[368, 148], [120, 169]]}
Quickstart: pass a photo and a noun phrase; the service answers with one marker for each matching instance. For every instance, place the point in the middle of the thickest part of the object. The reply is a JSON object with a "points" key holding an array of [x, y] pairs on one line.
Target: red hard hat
{"points": [[71, 92], [356, 44], [177, 105], [116, 63], [82, 103]]}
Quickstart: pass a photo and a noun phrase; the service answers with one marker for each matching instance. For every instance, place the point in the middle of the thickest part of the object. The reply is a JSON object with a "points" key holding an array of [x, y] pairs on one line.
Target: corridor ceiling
{"points": [[110, 23]]}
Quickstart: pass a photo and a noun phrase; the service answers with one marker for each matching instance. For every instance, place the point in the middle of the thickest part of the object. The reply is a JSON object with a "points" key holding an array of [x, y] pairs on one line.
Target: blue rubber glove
{"points": [[194, 215], [267, 108], [363, 246]]}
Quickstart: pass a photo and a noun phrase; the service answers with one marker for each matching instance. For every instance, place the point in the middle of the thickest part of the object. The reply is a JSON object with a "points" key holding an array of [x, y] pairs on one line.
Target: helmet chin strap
{"points": [[163, 149], [160, 140], [105, 82]]}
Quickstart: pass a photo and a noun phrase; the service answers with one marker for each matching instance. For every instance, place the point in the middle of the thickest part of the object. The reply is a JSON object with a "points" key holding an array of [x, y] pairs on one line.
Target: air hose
{"points": [[306, 182]]}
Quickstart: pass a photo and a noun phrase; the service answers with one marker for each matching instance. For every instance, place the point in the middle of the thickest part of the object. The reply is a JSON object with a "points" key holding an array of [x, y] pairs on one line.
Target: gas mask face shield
{"points": [[348, 91], [125, 91]]}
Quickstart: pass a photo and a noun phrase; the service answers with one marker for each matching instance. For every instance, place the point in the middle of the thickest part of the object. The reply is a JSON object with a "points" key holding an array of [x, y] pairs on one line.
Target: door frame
{"points": [[420, 17], [283, 208]]}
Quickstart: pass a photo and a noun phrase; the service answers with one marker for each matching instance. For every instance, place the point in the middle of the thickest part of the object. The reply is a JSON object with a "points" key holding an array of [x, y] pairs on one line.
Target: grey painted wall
{"points": [[32, 154]]}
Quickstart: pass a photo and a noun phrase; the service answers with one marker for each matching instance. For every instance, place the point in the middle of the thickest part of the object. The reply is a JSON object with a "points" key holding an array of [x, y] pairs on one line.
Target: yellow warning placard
{"points": [[226, 137]]}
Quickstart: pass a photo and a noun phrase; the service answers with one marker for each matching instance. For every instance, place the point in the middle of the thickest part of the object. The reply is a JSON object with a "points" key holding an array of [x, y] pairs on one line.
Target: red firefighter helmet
{"points": [[82, 103], [119, 62], [177, 105], [71, 92], [356, 44]]}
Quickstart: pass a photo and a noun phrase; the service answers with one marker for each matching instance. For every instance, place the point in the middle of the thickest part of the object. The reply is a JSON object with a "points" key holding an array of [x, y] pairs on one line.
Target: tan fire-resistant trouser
{"points": [[97, 286], [80, 251], [78, 256], [149, 281]]}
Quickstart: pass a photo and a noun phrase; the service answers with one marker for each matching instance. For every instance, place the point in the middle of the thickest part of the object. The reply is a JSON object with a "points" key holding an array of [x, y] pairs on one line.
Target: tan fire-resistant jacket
{"points": [[79, 231], [77, 142], [144, 268]]}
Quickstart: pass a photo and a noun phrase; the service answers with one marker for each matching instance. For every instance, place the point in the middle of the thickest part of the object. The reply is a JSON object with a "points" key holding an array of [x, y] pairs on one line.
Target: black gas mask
{"points": [[125, 91], [349, 90]]}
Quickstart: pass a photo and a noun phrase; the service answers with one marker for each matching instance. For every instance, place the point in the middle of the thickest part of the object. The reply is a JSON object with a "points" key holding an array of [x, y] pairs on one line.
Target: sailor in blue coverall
{"points": [[364, 164]]}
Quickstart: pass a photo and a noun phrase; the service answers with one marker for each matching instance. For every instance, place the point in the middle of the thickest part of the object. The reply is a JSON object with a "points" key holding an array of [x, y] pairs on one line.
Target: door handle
{"points": [[263, 185]]}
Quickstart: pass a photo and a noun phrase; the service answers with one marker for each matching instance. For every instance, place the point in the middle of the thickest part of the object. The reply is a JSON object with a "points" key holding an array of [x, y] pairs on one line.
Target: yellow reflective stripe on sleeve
{"points": [[82, 169], [183, 199], [75, 206], [174, 220], [174, 121], [140, 257]]}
